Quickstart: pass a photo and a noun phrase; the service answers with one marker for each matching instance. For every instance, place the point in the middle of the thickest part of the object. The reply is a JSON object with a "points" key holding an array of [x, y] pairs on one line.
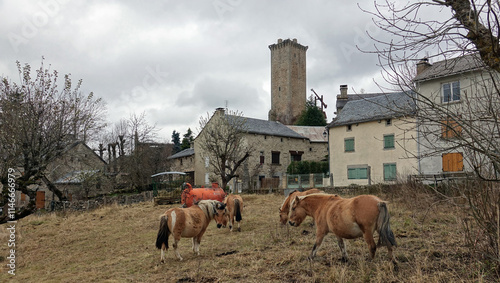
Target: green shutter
{"points": [[349, 144], [389, 141], [389, 172], [357, 173]]}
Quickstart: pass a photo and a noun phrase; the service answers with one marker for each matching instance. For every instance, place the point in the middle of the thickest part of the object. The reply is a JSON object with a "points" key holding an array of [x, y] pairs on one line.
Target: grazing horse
{"points": [[234, 207], [285, 207], [346, 218], [191, 222]]}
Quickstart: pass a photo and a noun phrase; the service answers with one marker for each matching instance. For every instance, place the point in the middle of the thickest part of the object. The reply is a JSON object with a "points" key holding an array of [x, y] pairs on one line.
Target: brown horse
{"points": [[234, 207], [285, 207], [191, 222], [346, 218]]}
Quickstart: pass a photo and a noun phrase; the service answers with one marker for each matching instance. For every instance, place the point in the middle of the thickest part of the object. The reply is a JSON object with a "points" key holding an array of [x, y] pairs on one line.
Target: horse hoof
{"points": [[344, 259], [239, 229]]}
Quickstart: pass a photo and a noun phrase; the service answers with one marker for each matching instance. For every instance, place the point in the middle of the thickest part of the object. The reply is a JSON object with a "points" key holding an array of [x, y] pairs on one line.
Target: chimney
{"points": [[343, 91], [422, 65], [220, 111]]}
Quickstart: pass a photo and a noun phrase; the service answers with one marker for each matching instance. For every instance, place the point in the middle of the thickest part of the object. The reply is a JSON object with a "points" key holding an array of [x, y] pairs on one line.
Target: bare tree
{"points": [[38, 120], [465, 33], [139, 155], [463, 37], [223, 143]]}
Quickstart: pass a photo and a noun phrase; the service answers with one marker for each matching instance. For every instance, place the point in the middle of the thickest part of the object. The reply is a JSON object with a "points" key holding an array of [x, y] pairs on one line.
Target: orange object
{"points": [[192, 196]]}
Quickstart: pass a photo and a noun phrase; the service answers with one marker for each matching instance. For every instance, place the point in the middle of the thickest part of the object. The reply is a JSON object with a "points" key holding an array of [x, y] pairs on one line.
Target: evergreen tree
{"points": [[187, 139], [311, 116], [176, 139]]}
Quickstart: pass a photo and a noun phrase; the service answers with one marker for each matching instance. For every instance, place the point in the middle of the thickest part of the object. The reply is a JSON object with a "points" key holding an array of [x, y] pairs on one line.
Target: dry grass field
{"points": [[117, 244]]}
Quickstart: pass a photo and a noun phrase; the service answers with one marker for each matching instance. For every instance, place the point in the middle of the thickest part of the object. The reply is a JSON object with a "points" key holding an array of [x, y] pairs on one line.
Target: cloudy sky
{"points": [[179, 60]]}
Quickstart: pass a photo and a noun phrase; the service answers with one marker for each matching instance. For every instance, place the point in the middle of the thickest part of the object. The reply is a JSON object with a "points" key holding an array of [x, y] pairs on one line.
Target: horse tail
{"points": [[163, 233], [386, 237], [237, 208]]}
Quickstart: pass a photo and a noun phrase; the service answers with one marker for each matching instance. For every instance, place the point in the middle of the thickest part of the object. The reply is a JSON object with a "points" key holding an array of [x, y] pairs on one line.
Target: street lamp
{"points": [[327, 136]]}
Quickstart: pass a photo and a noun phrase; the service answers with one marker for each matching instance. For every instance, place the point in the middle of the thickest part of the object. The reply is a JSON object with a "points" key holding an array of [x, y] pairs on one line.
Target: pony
{"points": [[234, 208], [285, 207], [191, 222], [346, 218]]}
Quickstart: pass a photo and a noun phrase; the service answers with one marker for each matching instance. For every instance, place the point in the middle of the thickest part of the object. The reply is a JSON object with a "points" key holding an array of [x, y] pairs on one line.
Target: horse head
{"points": [[283, 216], [297, 213], [220, 214]]}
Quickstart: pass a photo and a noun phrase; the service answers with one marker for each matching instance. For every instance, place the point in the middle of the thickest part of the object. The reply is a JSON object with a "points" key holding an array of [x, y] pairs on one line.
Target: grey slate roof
{"points": [[183, 153], [313, 133], [390, 105], [467, 63], [75, 177], [271, 128]]}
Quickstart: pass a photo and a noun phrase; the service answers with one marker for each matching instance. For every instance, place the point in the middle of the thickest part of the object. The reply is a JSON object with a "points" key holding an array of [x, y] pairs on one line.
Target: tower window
{"points": [[279, 88]]}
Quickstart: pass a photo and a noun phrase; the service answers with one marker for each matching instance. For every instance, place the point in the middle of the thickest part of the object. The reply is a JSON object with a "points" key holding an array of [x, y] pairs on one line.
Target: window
{"points": [[349, 145], [388, 122], [296, 155], [357, 173], [349, 128], [451, 91], [453, 162], [390, 172], [389, 141], [262, 158], [450, 129], [275, 159]]}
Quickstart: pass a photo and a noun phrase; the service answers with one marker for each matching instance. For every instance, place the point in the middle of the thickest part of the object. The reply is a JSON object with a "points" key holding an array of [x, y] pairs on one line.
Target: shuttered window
{"points": [[357, 173], [453, 162], [388, 141], [390, 172], [349, 145], [450, 129]]}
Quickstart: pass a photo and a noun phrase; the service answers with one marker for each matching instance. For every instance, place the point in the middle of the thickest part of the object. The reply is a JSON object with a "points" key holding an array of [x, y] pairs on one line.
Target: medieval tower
{"points": [[288, 81]]}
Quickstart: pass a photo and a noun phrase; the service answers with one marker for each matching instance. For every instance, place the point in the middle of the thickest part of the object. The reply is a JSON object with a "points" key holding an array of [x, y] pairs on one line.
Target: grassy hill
{"points": [[117, 244]]}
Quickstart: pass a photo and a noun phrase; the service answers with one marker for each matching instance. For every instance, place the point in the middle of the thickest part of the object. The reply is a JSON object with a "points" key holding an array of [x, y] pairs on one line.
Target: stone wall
{"points": [[100, 202]]}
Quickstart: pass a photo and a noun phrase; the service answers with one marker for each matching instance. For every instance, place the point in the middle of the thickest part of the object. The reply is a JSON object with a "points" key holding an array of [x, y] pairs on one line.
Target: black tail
{"points": [[237, 207], [386, 237], [163, 233]]}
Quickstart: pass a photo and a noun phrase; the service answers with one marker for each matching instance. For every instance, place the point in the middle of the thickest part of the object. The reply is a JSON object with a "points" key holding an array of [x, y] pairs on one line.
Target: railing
{"points": [[298, 181]]}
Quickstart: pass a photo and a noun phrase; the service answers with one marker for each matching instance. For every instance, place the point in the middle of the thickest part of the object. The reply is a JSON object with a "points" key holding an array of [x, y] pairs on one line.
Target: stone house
{"points": [[372, 138], [183, 161], [276, 146], [77, 164], [462, 90]]}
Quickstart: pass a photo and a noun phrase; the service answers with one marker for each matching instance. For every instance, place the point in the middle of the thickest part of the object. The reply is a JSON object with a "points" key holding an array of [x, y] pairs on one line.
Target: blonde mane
{"points": [[208, 207]]}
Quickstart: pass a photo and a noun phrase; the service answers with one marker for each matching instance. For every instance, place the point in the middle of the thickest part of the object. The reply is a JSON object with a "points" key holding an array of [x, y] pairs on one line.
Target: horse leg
{"points": [[319, 239], [239, 228], [341, 244], [164, 248], [368, 235], [177, 254], [196, 242], [231, 221]]}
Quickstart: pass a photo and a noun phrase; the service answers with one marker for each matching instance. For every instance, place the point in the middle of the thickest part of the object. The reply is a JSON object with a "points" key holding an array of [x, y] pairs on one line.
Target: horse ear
{"points": [[297, 199]]}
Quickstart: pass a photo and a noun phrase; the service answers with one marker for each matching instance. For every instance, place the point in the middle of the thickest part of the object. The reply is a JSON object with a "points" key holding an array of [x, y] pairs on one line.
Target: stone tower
{"points": [[288, 81]]}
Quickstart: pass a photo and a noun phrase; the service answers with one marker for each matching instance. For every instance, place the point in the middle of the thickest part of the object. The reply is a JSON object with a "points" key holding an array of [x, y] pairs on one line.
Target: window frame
{"points": [[385, 167], [454, 92], [273, 157], [386, 142], [348, 149], [357, 171]]}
